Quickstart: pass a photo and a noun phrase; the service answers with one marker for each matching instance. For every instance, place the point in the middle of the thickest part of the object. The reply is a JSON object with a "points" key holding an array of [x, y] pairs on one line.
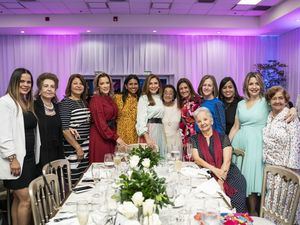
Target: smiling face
{"points": [[253, 88], [184, 91], [204, 122], [48, 89], [104, 85], [25, 84], [132, 86], [154, 86], [228, 90], [208, 89], [278, 102], [168, 95], [77, 87]]}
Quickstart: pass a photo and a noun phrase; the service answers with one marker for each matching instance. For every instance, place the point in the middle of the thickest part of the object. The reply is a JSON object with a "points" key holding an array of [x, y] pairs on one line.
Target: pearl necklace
{"points": [[49, 110]]}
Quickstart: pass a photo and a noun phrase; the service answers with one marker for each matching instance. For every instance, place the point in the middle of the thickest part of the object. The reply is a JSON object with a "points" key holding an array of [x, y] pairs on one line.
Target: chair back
{"points": [[61, 168], [144, 145], [280, 195], [238, 157], [43, 192]]}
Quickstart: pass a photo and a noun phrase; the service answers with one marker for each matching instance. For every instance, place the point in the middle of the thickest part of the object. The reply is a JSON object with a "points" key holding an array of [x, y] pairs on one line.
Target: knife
{"points": [[225, 200], [64, 218]]}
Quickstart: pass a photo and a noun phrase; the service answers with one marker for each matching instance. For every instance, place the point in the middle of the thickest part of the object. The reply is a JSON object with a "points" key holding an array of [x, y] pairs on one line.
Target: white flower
{"points": [[128, 209], [148, 207], [138, 199], [129, 172], [146, 163], [134, 161]]}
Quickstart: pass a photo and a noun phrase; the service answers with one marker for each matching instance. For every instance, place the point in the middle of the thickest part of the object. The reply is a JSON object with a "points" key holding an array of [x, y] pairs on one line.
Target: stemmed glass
{"points": [[82, 212], [109, 160], [189, 149], [117, 161], [96, 173]]}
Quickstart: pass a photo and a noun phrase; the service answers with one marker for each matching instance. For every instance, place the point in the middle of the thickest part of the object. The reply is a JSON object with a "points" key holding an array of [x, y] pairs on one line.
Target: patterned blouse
{"points": [[282, 141], [127, 118]]}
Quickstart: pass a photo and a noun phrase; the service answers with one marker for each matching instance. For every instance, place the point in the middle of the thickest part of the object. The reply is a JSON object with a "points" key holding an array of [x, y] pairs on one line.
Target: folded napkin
{"points": [[194, 172], [179, 201]]}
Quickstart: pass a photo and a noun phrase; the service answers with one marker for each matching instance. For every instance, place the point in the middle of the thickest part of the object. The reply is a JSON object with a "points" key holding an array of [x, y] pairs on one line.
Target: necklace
{"points": [[49, 109]]}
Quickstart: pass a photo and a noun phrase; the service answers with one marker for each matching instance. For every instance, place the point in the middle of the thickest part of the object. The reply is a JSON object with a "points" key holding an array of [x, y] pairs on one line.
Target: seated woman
{"points": [[281, 140], [213, 151]]}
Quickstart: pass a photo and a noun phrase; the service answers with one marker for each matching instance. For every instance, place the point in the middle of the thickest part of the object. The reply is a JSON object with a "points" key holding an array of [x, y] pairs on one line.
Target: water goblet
{"points": [[189, 149], [109, 160]]}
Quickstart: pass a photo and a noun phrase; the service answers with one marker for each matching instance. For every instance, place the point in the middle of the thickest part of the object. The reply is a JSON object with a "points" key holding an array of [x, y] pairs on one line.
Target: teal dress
{"points": [[249, 138]]}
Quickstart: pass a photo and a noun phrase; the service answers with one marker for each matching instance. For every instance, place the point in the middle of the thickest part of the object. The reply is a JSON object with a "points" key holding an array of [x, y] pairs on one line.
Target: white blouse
{"points": [[145, 112], [282, 141], [171, 122]]}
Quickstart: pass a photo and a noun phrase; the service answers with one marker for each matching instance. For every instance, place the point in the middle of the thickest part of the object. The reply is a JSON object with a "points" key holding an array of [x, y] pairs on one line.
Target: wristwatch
{"points": [[11, 157]]}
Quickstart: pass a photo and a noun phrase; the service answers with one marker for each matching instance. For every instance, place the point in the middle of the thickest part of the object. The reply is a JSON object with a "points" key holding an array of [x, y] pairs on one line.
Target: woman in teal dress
{"points": [[246, 134]]}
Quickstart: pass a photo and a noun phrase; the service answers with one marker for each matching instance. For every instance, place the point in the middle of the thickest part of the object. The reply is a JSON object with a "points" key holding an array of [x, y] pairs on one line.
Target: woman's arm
{"points": [[72, 141], [227, 153], [235, 128], [292, 115]]}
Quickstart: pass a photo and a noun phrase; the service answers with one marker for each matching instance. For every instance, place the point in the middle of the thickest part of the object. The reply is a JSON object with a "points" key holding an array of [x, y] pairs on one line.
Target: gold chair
{"points": [[238, 157], [136, 145], [61, 168], [280, 195], [44, 197]]}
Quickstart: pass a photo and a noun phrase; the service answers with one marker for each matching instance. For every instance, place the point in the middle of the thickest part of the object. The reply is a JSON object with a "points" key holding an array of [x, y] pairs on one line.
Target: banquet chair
{"points": [[5, 195], [61, 168], [281, 190], [136, 145], [238, 157], [43, 192]]}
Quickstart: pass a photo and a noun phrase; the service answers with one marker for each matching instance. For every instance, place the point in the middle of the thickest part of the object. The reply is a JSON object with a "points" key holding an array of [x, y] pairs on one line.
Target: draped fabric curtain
{"points": [[289, 53], [183, 56]]}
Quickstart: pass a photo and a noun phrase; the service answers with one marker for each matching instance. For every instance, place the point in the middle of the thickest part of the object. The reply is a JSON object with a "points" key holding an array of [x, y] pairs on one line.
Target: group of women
{"points": [[38, 131]]}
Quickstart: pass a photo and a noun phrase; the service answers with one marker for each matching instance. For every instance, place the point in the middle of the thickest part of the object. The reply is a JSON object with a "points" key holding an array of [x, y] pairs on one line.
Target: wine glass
{"points": [[189, 149], [175, 152], [109, 160], [96, 173], [82, 212]]}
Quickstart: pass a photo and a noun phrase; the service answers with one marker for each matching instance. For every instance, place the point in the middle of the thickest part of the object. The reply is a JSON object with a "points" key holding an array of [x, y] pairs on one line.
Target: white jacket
{"points": [[12, 136]]}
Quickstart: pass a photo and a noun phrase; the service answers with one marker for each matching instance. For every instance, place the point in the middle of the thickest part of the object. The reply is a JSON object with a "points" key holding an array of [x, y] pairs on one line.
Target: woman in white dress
{"points": [[171, 117], [150, 112], [281, 140]]}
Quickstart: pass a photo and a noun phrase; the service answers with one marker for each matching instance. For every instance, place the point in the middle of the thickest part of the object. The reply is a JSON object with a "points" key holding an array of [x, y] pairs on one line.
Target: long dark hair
{"points": [[222, 84], [26, 102], [83, 81], [125, 90], [146, 90], [192, 91]]}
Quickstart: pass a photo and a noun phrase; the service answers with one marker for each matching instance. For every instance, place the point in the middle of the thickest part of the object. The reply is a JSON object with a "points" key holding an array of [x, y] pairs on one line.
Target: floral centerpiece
{"points": [[141, 188]]}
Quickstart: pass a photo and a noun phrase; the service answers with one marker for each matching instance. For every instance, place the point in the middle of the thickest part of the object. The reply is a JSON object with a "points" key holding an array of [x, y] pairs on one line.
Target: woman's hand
{"points": [[150, 142], [220, 173], [79, 153], [292, 115], [75, 133], [122, 146], [15, 167], [221, 183]]}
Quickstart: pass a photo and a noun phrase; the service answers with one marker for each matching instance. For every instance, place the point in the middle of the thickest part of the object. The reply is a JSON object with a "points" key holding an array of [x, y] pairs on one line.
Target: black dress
{"points": [[28, 171], [51, 135], [230, 111]]}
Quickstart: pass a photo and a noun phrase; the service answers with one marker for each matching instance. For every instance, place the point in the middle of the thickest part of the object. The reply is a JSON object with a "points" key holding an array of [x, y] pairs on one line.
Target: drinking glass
{"points": [[211, 216], [117, 162], [109, 160], [175, 153], [96, 173], [189, 149], [82, 212]]}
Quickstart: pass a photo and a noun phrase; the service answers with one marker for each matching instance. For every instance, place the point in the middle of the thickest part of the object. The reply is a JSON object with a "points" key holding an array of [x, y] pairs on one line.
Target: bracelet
{"points": [[11, 158]]}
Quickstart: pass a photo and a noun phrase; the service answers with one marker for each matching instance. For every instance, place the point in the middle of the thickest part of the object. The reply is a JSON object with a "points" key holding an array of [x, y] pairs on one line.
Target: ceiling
{"points": [[182, 17]]}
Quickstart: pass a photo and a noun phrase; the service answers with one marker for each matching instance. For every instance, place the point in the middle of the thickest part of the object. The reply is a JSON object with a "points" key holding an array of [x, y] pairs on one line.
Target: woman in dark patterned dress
{"points": [[46, 110], [19, 143], [212, 150], [75, 117]]}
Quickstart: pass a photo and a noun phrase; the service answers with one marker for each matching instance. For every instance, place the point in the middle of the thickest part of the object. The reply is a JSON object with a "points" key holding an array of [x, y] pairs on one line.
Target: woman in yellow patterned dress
{"points": [[127, 109]]}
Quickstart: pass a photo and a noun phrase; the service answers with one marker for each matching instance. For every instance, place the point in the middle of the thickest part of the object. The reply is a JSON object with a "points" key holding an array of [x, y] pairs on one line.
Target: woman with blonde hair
{"points": [[104, 111], [19, 143], [150, 113]]}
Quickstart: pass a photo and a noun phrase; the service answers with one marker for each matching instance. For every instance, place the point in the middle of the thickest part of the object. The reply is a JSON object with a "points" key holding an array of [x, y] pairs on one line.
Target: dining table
{"points": [[191, 189]]}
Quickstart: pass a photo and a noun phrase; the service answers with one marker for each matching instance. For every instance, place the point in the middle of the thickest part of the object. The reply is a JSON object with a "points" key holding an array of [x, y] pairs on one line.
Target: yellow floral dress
{"points": [[127, 118]]}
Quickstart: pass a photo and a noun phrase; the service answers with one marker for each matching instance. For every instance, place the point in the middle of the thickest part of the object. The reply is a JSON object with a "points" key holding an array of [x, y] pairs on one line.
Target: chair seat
{"points": [[261, 221]]}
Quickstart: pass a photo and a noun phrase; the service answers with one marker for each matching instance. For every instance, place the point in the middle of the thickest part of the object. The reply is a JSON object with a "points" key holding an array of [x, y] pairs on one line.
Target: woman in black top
{"points": [[229, 95], [46, 109]]}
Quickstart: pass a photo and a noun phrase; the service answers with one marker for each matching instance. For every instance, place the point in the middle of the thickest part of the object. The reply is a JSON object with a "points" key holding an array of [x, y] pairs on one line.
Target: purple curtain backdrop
{"points": [[183, 56]]}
